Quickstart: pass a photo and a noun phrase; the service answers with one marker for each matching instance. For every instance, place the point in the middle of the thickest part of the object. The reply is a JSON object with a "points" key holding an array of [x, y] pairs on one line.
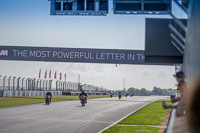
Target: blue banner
{"points": [[81, 55]]}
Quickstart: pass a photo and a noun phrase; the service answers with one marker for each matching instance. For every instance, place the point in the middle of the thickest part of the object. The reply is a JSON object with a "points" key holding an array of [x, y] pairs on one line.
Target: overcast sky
{"points": [[28, 23]]}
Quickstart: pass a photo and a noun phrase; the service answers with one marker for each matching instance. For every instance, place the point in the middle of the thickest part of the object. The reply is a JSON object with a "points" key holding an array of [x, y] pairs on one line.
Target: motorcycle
{"points": [[83, 100], [120, 96], [47, 99], [132, 95]]}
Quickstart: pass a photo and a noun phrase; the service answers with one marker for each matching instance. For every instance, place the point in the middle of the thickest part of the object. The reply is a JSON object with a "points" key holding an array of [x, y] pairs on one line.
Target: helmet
{"points": [[83, 92], [179, 74]]}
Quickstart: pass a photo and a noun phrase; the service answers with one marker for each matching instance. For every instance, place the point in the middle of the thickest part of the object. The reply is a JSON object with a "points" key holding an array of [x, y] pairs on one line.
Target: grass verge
{"points": [[149, 115], [152, 114], [132, 129], [17, 101]]}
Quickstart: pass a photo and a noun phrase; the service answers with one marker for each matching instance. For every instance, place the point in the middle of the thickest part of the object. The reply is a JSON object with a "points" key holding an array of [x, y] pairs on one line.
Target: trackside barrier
{"points": [[32, 93], [19, 93], [8, 93], [13, 93], [171, 121], [27, 93], [43, 93], [23, 93], [1, 93], [40, 93], [36, 93]]}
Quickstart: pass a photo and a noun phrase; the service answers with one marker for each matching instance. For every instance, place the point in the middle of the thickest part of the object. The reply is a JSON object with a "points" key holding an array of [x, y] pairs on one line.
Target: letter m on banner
{"points": [[3, 52]]}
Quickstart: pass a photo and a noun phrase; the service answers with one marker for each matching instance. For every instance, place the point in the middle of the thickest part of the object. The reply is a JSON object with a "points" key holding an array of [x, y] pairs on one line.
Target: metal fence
{"points": [[18, 83], [33, 84], [67, 86]]}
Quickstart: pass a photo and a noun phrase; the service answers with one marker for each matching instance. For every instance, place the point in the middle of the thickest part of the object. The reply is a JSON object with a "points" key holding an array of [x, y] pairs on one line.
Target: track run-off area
{"points": [[70, 116]]}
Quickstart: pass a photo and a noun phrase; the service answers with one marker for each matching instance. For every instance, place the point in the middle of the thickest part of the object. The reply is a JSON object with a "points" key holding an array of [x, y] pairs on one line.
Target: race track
{"points": [[69, 116]]}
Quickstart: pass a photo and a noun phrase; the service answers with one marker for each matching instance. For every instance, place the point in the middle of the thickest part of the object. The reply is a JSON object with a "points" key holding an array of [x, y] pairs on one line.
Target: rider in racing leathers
{"points": [[49, 94], [84, 94]]}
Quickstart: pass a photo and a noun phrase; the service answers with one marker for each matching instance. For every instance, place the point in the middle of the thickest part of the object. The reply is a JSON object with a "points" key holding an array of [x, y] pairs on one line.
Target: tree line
{"points": [[145, 92]]}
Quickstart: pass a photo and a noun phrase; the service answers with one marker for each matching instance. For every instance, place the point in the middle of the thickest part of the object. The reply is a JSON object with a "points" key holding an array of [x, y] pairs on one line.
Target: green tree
{"points": [[156, 91], [137, 92], [148, 93], [143, 92], [131, 90]]}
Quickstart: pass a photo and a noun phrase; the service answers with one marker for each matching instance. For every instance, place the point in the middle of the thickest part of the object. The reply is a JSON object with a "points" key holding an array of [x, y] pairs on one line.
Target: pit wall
{"points": [[27, 93]]}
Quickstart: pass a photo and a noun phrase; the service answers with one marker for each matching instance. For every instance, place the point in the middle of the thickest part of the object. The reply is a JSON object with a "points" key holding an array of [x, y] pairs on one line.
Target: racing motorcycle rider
{"points": [[120, 95], [84, 94], [49, 94]]}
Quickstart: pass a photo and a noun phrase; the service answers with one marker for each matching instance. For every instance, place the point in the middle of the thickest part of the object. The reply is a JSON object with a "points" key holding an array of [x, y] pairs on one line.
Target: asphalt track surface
{"points": [[69, 116]]}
